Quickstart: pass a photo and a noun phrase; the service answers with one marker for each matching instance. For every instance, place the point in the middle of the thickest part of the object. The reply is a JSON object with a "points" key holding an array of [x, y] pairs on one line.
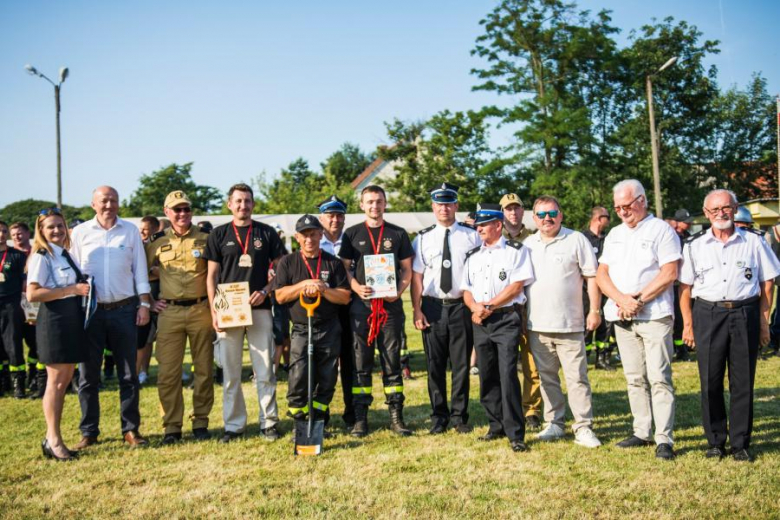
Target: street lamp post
{"points": [[63, 76], [654, 139]]}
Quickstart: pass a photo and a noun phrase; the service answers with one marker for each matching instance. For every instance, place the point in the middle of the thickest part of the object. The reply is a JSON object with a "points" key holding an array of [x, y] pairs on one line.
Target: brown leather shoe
{"points": [[85, 442], [134, 439]]}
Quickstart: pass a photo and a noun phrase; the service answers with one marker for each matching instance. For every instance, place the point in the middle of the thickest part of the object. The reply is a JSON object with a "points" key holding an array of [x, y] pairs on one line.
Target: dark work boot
{"points": [[681, 352], [5, 379], [602, 361], [41, 378], [19, 379], [32, 378], [397, 420], [360, 429]]}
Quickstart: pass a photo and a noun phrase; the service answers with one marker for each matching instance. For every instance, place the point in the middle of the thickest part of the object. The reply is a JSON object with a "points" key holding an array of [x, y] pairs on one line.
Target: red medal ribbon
{"points": [[2, 262], [244, 245], [378, 316], [319, 264]]}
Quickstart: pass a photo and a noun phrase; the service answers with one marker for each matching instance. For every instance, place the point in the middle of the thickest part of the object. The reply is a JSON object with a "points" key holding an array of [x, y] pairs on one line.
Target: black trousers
{"points": [[389, 344], [326, 338], [28, 333], [346, 364], [499, 386], [727, 338], [449, 338], [11, 320], [113, 329]]}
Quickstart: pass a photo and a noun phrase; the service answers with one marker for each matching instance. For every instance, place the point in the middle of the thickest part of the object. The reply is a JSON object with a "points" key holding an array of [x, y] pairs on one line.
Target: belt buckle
{"points": [[728, 305]]}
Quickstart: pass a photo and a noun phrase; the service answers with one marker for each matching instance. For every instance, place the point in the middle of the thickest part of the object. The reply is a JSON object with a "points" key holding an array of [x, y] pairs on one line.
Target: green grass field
{"points": [[384, 476]]}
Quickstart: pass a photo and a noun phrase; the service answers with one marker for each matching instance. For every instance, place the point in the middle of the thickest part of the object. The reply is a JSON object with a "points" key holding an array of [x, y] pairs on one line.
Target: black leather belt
{"points": [[444, 301], [115, 305], [728, 304], [501, 310], [187, 303]]}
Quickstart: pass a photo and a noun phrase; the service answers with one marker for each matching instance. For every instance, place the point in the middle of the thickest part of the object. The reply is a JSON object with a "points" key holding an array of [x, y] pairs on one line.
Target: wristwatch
{"points": [[264, 292], [147, 305], [487, 307]]}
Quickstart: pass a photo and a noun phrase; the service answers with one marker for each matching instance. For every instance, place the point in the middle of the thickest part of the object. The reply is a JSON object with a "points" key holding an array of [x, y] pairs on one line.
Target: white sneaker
{"points": [[142, 378], [551, 432], [586, 437]]}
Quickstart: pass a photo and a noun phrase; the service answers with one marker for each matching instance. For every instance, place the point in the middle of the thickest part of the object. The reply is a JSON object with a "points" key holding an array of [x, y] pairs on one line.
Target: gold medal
{"points": [[245, 260]]}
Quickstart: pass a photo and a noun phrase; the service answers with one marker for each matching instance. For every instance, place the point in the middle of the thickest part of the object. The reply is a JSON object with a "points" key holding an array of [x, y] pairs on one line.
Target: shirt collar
{"points": [[451, 228], [738, 234], [96, 225], [55, 249], [562, 233], [498, 245]]}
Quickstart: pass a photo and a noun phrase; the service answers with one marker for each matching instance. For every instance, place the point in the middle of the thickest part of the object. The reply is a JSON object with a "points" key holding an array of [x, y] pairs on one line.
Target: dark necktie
{"points": [[446, 265]]}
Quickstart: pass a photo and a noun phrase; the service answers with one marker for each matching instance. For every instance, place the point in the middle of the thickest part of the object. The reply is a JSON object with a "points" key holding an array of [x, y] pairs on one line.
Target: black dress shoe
{"points": [[664, 451], [492, 436], [532, 422], [229, 437], [633, 442], [171, 438], [48, 452], [518, 446], [715, 452], [464, 428], [741, 455], [270, 433], [201, 434], [437, 429]]}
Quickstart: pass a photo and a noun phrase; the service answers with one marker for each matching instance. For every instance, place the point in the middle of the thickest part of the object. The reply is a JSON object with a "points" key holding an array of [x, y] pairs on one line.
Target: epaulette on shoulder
{"points": [[41, 251], [695, 236], [755, 231], [514, 243], [429, 228], [157, 235], [465, 225], [472, 251]]}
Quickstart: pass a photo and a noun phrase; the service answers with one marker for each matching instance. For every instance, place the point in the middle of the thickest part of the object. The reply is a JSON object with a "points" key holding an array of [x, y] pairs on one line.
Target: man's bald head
{"points": [[105, 202]]}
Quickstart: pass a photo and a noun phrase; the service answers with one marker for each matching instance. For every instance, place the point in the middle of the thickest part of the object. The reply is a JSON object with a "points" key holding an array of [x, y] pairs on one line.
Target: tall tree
{"points": [[149, 197], [346, 163]]}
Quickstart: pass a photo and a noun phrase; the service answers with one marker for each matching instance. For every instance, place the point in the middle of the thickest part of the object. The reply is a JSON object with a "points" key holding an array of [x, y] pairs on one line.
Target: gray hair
{"points": [[630, 184], [719, 191]]}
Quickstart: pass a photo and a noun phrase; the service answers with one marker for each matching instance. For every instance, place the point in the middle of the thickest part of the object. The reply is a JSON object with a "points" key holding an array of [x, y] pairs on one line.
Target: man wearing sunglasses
{"points": [[600, 340], [184, 314], [563, 260], [110, 250], [637, 270], [729, 272]]}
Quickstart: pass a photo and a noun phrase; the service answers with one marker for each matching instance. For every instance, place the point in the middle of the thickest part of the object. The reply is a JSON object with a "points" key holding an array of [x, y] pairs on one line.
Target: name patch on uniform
{"points": [[166, 247], [502, 275], [388, 244], [324, 275]]}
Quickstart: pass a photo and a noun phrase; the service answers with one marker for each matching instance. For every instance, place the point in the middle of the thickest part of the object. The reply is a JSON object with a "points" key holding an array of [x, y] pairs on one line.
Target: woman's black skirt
{"points": [[60, 332]]}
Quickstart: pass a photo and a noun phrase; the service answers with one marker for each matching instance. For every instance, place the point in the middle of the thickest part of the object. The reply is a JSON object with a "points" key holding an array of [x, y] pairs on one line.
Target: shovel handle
{"points": [[309, 306]]}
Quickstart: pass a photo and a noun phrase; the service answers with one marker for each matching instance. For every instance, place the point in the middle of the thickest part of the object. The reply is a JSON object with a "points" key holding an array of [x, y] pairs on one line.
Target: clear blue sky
{"points": [[245, 87]]}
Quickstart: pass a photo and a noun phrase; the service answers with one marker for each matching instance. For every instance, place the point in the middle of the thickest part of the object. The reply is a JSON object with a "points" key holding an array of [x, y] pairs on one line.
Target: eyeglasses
{"points": [[50, 211], [724, 209], [553, 213], [628, 206], [181, 209]]}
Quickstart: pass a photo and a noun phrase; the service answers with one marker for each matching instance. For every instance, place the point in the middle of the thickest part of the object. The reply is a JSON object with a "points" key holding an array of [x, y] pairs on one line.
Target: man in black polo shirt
{"points": [[241, 251], [379, 320], [596, 233], [11, 315], [312, 272]]}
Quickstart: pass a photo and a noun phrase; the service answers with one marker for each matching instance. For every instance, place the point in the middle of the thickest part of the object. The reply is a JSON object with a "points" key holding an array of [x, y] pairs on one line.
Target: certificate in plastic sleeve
{"points": [[231, 303], [380, 275], [30, 309]]}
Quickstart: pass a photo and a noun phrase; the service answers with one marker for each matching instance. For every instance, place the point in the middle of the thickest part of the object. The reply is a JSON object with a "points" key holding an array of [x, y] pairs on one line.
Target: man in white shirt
{"points": [[110, 250], [636, 272], [562, 259], [439, 312], [730, 272]]}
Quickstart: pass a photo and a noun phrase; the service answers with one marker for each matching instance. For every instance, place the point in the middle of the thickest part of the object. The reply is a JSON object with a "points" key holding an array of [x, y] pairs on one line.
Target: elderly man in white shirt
{"points": [[636, 272], [562, 260], [111, 252]]}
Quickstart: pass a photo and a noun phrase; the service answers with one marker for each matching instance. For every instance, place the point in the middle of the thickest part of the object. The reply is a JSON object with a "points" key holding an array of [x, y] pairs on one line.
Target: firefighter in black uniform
{"points": [[313, 272], [600, 338], [12, 280]]}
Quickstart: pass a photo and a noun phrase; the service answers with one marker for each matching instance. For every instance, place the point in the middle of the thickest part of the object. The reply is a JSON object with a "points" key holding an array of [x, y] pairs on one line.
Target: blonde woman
{"points": [[54, 280]]}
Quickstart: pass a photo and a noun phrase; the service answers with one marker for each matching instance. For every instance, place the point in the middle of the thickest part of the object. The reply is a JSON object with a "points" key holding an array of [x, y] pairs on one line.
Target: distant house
{"points": [[378, 172]]}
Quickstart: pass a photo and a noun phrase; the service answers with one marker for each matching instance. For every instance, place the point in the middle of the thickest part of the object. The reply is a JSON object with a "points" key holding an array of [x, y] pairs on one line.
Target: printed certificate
{"points": [[30, 309], [231, 302], [380, 275]]}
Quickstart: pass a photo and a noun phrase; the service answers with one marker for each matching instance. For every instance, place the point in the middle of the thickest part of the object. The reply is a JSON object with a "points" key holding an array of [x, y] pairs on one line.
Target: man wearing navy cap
{"points": [[439, 312], [332, 216], [494, 276]]}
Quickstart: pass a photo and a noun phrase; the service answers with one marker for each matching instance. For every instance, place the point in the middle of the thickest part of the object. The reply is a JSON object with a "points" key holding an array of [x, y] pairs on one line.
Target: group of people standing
{"points": [[488, 286]]}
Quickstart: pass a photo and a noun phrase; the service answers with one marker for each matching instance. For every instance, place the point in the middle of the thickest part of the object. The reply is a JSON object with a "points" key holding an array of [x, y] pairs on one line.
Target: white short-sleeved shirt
{"points": [[490, 269], [428, 251], [555, 297], [329, 246], [50, 271], [730, 271], [635, 256]]}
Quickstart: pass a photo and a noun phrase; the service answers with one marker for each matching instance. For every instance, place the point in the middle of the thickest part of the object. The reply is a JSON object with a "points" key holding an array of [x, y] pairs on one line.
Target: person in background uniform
{"points": [[242, 251], [313, 273], [184, 317], [743, 219], [110, 250], [637, 270], [12, 283], [36, 371], [54, 280], [494, 277], [205, 226], [439, 311], [379, 320], [281, 316], [563, 261], [149, 228], [514, 229], [600, 339], [682, 224], [332, 217], [729, 272], [772, 237]]}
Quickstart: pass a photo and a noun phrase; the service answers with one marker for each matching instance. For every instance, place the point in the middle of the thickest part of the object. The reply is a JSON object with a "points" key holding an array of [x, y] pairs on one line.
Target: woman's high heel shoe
{"points": [[49, 453]]}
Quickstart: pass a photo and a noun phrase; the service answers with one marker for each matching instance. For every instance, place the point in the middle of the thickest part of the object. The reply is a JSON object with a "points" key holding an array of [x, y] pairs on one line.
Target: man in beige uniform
{"points": [[514, 229], [183, 314]]}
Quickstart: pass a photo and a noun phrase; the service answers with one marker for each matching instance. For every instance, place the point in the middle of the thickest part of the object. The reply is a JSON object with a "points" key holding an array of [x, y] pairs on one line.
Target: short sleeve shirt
{"points": [[13, 272], [182, 263], [635, 256], [730, 271], [596, 242], [490, 269], [292, 270], [429, 250], [356, 243], [51, 270], [224, 248], [560, 265]]}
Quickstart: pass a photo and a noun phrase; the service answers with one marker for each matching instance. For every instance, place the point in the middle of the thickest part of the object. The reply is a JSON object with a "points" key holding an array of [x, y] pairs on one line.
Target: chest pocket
{"points": [[745, 273], [431, 258], [193, 259], [168, 258], [702, 272], [63, 276]]}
